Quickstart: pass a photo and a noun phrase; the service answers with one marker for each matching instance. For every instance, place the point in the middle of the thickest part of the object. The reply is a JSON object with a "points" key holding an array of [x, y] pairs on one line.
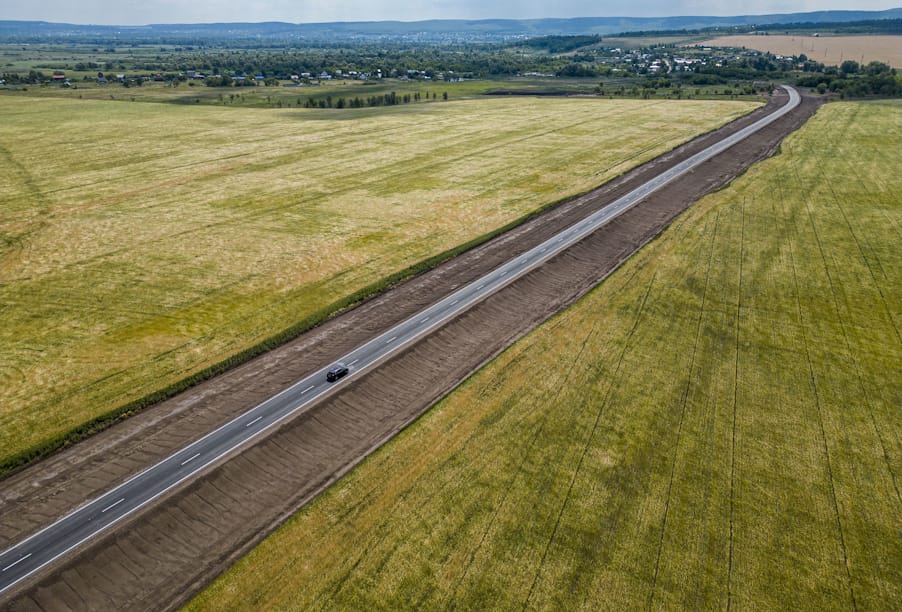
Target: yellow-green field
{"points": [[717, 425], [140, 243]]}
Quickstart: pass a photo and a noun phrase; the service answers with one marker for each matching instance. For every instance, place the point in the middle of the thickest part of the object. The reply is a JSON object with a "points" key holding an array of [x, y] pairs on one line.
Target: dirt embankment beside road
{"points": [[161, 556]]}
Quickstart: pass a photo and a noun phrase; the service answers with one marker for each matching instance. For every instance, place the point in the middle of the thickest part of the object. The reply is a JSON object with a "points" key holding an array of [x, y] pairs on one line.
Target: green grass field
{"points": [[716, 425], [431, 92], [196, 92], [141, 243]]}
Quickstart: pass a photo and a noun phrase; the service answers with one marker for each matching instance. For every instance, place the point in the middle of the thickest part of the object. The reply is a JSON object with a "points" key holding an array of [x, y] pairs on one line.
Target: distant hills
{"points": [[489, 30]]}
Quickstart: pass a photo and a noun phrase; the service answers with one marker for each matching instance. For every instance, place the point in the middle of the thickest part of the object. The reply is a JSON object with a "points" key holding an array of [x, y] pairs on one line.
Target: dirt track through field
{"points": [[161, 556]]}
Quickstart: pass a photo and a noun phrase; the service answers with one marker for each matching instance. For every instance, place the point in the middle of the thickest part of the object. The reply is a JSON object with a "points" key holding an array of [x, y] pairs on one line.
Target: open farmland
{"points": [[140, 243], [717, 424], [830, 50], [194, 92]]}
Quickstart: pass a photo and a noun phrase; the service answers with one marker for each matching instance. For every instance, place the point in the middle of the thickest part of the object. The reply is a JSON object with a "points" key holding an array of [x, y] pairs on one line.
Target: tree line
{"points": [[853, 80], [389, 99]]}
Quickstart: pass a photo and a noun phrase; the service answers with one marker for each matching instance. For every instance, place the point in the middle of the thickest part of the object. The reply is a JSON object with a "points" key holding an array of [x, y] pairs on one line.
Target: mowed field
{"points": [[140, 243], [829, 50], [716, 425]]}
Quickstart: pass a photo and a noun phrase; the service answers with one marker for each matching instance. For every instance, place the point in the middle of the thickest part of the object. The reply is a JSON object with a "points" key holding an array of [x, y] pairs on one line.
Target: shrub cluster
{"points": [[852, 80]]}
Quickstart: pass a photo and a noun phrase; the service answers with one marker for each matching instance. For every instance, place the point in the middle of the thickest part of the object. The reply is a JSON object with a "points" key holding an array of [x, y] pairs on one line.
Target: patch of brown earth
{"points": [[161, 556]]}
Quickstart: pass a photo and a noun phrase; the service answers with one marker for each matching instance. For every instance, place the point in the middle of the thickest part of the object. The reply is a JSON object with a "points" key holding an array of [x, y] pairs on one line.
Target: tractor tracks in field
{"points": [[812, 381], [735, 410], [579, 464], [684, 399], [206, 525]]}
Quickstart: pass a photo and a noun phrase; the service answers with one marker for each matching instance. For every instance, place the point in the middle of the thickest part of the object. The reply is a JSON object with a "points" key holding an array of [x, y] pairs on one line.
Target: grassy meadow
{"points": [[196, 92], [716, 425], [141, 243], [431, 92]]}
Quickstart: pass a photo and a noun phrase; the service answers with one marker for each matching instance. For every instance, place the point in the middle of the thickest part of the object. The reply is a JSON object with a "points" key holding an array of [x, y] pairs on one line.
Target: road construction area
{"points": [[158, 557]]}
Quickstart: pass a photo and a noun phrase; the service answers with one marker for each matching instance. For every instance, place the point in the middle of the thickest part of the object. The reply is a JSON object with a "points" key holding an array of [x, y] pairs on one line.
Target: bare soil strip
{"points": [[161, 556]]}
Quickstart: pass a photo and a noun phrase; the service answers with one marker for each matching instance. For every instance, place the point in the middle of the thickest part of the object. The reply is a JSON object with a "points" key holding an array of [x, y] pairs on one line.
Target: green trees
{"points": [[855, 81], [849, 67], [576, 70], [389, 99]]}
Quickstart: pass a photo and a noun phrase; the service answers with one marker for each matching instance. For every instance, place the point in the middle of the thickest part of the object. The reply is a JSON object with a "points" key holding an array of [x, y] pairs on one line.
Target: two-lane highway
{"points": [[23, 559]]}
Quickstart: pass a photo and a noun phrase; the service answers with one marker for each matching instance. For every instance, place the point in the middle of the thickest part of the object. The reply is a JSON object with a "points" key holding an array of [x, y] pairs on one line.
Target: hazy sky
{"points": [[139, 12]]}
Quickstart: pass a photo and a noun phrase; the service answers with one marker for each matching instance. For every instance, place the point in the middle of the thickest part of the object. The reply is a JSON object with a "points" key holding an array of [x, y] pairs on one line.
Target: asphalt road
{"points": [[23, 559]]}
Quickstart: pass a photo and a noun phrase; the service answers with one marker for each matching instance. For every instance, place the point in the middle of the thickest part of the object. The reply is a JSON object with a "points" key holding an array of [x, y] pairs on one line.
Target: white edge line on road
{"points": [[201, 466], [745, 131], [715, 150], [225, 425]]}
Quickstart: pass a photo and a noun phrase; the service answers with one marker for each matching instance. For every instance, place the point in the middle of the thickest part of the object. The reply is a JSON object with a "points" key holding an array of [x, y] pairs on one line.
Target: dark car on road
{"points": [[336, 372]]}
